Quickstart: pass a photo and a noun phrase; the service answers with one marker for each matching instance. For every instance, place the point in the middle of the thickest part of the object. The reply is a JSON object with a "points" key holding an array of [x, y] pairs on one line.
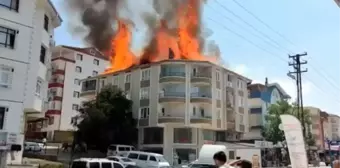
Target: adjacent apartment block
{"points": [[317, 127], [26, 39], [69, 66], [259, 99], [180, 104], [334, 125]]}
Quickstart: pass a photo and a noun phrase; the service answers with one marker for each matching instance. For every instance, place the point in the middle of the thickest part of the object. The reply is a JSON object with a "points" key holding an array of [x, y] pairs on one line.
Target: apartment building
{"points": [[317, 126], [69, 66], [334, 126], [26, 31], [260, 97], [181, 104]]}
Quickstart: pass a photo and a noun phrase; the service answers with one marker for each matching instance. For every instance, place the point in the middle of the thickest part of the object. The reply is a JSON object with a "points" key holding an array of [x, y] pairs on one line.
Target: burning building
{"points": [[193, 100]]}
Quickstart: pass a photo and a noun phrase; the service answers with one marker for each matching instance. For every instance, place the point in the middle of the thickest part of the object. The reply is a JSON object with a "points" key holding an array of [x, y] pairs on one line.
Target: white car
{"points": [[32, 146], [123, 160]]}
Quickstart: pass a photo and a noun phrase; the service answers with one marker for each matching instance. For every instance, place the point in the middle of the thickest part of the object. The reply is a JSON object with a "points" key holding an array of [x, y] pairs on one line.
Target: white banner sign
{"points": [[295, 142]]}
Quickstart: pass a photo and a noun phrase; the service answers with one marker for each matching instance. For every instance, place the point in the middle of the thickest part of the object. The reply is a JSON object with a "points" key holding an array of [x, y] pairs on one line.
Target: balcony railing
{"points": [[200, 117], [172, 74], [172, 94], [201, 95], [201, 75]]}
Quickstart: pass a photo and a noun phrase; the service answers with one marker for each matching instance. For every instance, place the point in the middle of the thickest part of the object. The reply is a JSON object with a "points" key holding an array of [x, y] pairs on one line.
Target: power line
{"points": [[253, 27], [265, 24]]}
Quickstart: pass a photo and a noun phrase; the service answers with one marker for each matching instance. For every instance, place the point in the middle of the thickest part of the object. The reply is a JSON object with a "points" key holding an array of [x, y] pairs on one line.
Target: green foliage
{"points": [[107, 120], [271, 131]]}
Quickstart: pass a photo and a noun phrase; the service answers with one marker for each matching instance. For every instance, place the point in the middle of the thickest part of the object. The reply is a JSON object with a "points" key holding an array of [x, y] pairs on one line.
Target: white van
{"points": [[95, 163], [119, 150], [147, 159]]}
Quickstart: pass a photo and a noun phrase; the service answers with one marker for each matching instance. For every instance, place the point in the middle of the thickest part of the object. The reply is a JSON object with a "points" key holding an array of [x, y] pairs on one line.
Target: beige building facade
{"points": [[181, 105]]}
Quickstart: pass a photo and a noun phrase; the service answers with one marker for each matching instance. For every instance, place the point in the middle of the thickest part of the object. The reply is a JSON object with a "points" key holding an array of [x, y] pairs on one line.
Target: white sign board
{"points": [[295, 142], [12, 138], [263, 144]]}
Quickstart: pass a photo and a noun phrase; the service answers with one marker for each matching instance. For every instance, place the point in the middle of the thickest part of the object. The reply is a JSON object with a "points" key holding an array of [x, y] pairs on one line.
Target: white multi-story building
{"points": [[69, 66], [181, 104], [26, 36]]}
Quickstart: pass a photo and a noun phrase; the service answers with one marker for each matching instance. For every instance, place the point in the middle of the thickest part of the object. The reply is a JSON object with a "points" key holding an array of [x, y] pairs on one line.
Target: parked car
{"points": [[123, 160], [119, 150], [147, 159], [95, 163], [32, 146]]}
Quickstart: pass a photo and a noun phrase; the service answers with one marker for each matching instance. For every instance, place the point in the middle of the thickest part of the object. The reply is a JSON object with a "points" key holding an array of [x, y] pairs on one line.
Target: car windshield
{"points": [[79, 164], [161, 159], [126, 160], [202, 166]]}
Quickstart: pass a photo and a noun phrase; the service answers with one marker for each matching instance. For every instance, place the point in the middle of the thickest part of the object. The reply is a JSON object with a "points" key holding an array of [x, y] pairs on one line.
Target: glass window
{"points": [[38, 87], [152, 158], [75, 107], [7, 36], [217, 75], [46, 20], [94, 73], [127, 78], [106, 165], [133, 156], [153, 136], [112, 147], [218, 94], [115, 80], [2, 117], [113, 158], [94, 165], [116, 165], [79, 57], [6, 74], [78, 69], [126, 160], [183, 135], [76, 94], [78, 164], [10, 4], [145, 74], [144, 113], [144, 93], [42, 54], [143, 157], [121, 149], [96, 62]]}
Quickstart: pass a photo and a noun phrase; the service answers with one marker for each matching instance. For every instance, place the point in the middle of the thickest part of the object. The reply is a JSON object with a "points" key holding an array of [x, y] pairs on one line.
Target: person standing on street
{"points": [[336, 162], [220, 159]]}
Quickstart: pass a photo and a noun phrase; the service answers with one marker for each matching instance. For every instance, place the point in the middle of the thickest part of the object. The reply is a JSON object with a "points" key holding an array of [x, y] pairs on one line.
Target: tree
{"points": [[107, 120], [271, 131]]}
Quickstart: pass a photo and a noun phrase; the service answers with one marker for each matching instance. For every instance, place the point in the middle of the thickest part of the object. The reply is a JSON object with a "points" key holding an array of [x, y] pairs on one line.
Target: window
{"points": [[10, 4], [241, 102], [127, 78], [7, 37], [229, 78], [94, 73], [77, 81], [46, 20], [76, 94], [144, 113], [183, 135], [115, 80], [133, 156], [194, 111], [38, 87], [152, 158], [51, 120], [116, 165], [218, 114], [114, 159], [143, 157], [78, 69], [94, 165], [106, 165], [2, 117], [145, 74], [42, 54], [217, 75], [239, 84], [75, 107], [218, 94], [144, 93], [241, 119], [96, 62], [79, 57], [79, 164], [6, 74]]}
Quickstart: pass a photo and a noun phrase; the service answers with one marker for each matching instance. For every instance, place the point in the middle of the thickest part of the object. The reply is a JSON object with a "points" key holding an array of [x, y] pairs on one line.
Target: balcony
{"points": [[171, 118], [89, 88], [200, 97], [173, 97], [172, 77], [200, 120], [231, 125], [203, 78]]}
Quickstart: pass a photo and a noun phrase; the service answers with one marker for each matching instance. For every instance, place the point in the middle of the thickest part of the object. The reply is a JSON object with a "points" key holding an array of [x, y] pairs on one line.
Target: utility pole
{"points": [[296, 75]]}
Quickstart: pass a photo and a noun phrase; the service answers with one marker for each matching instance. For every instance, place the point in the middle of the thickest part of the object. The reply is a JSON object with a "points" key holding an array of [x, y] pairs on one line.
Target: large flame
{"points": [[183, 44]]}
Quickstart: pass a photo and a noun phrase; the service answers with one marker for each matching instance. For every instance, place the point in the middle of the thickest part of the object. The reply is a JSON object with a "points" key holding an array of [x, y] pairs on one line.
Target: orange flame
{"points": [[184, 44]]}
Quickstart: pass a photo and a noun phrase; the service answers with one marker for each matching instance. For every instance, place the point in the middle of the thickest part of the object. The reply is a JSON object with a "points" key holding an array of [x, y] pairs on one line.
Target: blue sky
{"points": [[309, 25]]}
